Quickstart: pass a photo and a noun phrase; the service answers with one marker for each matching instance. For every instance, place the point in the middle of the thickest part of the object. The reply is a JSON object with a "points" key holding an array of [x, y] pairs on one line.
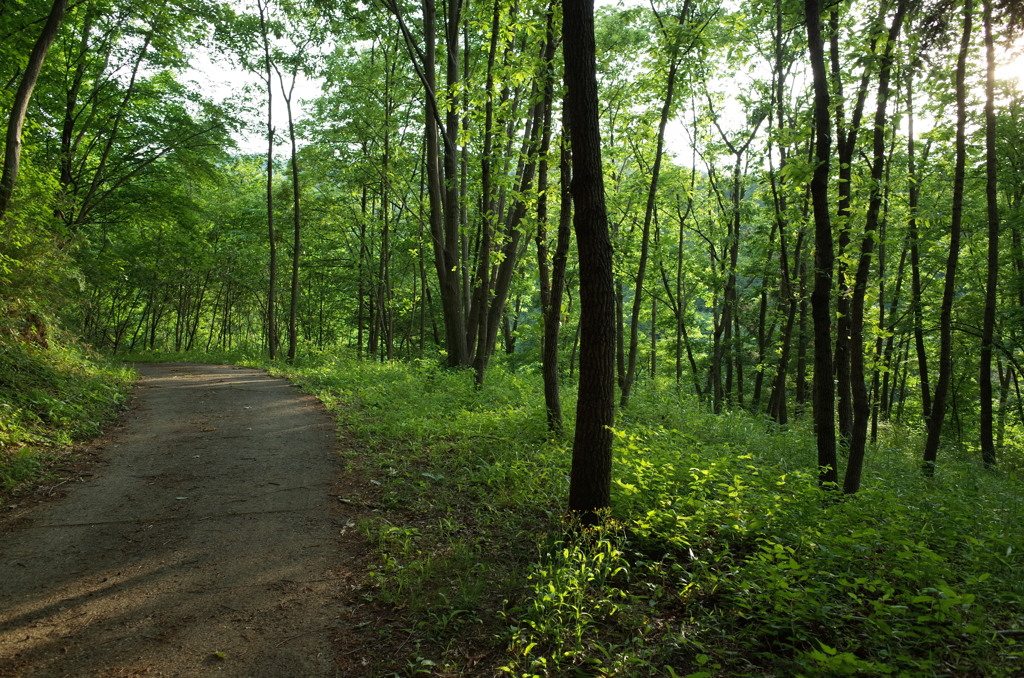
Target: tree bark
{"points": [[293, 304], [858, 379], [938, 412], [19, 107], [590, 477], [988, 450], [824, 389], [913, 195], [553, 281], [846, 147], [271, 235]]}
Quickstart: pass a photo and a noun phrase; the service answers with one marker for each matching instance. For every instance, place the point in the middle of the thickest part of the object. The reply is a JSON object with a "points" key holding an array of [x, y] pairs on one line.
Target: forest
{"points": [[715, 374]]}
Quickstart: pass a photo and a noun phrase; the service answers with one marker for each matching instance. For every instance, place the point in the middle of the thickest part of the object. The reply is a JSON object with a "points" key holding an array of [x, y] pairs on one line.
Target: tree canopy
{"points": [[811, 213]]}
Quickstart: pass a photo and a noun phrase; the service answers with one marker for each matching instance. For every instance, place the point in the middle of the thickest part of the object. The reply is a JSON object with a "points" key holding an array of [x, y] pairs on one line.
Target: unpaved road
{"points": [[203, 543]]}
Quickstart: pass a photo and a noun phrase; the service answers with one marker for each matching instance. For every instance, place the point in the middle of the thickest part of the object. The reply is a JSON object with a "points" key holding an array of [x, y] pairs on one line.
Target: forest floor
{"points": [[210, 533]]}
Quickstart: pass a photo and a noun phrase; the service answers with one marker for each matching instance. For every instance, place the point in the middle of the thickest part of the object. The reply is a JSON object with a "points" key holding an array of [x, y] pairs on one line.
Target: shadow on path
{"points": [[202, 545]]}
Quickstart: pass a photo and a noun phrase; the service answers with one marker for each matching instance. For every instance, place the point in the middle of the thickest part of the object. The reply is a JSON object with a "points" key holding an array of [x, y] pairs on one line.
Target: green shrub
{"points": [[720, 556], [50, 397]]}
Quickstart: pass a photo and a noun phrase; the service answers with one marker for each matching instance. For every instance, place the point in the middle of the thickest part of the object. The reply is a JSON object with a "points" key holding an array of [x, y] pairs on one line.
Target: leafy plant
{"points": [[50, 397]]}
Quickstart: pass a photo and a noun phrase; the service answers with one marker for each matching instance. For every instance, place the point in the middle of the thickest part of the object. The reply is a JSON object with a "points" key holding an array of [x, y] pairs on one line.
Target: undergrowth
{"points": [[51, 397], [720, 556]]}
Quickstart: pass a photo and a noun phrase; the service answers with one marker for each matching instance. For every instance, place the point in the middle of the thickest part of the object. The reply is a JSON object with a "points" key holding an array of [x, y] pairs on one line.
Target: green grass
{"points": [[720, 556], [50, 398]]}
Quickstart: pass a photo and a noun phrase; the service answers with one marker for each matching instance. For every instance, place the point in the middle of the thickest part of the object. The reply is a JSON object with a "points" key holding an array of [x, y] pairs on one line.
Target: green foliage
{"points": [[467, 478], [575, 597], [720, 556], [741, 560], [50, 397]]}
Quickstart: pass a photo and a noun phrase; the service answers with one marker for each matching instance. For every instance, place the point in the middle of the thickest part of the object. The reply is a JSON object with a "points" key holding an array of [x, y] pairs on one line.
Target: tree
{"points": [[939, 403], [590, 478], [824, 390], [16, 121], [552, 277], [264, 7], [988, 450], [858, 379], [674, 36], [288, 94]]}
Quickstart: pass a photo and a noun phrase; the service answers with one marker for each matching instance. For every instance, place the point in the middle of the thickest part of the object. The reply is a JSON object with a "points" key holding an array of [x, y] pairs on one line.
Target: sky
{"points": [[217, 77]]}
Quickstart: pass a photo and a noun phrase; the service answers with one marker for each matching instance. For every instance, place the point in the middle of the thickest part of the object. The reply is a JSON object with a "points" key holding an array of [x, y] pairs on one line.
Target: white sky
{"points": [[218, 78]]}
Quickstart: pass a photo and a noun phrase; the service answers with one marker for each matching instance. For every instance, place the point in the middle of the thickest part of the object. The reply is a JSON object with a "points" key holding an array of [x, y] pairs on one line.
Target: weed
{"points": [[720, 556], [51, 397]]}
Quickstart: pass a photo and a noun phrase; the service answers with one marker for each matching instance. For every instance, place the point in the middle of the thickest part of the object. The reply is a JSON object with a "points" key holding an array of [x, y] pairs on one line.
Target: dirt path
{"points": [[205, 543]]}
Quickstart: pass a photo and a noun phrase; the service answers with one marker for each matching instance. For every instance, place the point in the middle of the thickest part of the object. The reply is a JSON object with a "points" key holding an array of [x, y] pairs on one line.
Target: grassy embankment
{"points": [[720, 556], [50, 398]]}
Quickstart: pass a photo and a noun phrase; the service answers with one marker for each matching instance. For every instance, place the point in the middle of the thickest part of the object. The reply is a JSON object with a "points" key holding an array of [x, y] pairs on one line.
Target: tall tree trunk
{"points": [[19, 107], [988, 450], [477, 323], [645, 237], [453, 259], [913, 195], [938, 412], [293, 304], [846, 147], [271, 235], [764, 332], [513, 233], [590, 476], [858, 378], [729, 348], [824, 390], [885, 401], [552, 288], [384, 261], [441, 169], [788, 298], [361, 268]]}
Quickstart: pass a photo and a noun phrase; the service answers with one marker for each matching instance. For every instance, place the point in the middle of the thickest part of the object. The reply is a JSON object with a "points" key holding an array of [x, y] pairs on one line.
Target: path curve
{"points": [[202, 545]]}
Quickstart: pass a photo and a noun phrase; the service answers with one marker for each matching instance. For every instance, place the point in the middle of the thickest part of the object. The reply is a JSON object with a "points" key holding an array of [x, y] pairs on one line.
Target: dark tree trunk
{"points": [[271, 235], [441, 170], [552, 321], [824, 390], [846, 147], [913, 195], [988, 450], [476, 320], [858, 378], [552, 304], [590, 478], [938, 412], [293, 303], [16, 121]]}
